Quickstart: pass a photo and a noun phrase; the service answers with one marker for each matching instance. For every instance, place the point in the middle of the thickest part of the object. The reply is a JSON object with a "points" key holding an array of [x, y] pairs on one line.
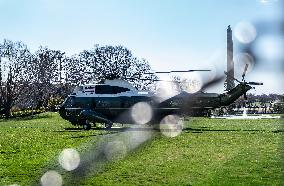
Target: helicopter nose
{"points": [[62, 112]]}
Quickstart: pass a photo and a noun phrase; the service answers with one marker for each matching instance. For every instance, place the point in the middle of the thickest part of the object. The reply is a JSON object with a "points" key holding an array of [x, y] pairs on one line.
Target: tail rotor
{"points": [[243, 82]]}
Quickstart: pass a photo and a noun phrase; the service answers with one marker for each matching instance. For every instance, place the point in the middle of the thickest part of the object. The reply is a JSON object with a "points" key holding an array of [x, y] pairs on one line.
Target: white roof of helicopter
{"points": [[88, 90]]}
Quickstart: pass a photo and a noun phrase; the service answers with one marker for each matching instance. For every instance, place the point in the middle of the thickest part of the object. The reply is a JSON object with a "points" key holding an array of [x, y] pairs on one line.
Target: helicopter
{"points": [[117, 101]]}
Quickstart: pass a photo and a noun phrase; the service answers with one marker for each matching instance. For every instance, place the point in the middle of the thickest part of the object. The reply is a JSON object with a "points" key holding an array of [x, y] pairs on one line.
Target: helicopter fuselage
{"points": [[114, 102]]}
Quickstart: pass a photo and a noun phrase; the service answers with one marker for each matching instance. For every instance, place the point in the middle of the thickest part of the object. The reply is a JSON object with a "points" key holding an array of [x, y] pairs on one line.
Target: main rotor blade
{"points": [[213, 82], [145, 79], [255, 83], [158, 80], [176, 71]]}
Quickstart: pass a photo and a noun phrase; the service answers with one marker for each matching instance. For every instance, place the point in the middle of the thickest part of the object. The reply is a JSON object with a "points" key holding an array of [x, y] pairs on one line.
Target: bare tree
{"points": [[113, 62], [47, 71], [139, 74], [30, 79], [75, 70], [15, 59]]}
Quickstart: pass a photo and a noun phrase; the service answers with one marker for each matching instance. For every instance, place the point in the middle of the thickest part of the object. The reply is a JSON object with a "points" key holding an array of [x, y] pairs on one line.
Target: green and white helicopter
{"points": [[117, 101]]}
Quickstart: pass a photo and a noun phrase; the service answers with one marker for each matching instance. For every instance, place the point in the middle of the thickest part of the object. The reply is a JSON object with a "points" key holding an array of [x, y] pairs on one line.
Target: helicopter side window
{"points": [[103, 89], [117, 89], [107, 89]]}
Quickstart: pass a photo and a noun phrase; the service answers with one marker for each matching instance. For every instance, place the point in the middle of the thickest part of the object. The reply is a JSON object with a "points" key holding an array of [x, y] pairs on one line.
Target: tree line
{"points": [[31, 79], [274, 102]]}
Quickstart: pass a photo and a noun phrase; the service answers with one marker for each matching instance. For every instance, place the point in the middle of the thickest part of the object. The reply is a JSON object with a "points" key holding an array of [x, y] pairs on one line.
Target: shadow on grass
{"points": [[103, 131], [278, 131], [86, 136], [200, 130], [187, 130], [85, 133], [29, 117], [69, 129]]}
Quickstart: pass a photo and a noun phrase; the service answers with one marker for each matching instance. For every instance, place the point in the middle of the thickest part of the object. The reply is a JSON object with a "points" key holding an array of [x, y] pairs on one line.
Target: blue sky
{"points": [[170, 34]]}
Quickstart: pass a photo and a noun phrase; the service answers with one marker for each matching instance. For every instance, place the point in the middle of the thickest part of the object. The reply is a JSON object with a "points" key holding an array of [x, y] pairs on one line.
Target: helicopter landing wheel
{"points": [[87, 125]]}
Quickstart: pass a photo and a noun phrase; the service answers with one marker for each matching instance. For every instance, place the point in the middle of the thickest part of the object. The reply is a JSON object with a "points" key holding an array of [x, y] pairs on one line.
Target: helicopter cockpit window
{"points": [[107, 89]]}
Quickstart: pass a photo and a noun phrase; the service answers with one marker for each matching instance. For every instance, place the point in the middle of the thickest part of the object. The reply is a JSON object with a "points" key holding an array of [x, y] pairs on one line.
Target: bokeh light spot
{"points": [[240, 62], [245, 32], [171, 126], [69, 159], [270, 48], [192, 82], [141, 112], [166, 90], [51, 178]]}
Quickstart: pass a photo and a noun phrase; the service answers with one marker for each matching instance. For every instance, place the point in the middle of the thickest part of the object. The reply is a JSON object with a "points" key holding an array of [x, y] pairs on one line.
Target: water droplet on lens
{"points": [[245, 32], [192, 83], [69, 159], [51, 178], [141, 113], [171, 126], [166, 90], [241, 60]]}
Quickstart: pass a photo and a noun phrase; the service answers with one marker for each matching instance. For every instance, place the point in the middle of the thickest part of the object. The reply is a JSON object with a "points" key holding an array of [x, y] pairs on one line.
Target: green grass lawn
{"points": [[28, 146], [207, 152]]}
